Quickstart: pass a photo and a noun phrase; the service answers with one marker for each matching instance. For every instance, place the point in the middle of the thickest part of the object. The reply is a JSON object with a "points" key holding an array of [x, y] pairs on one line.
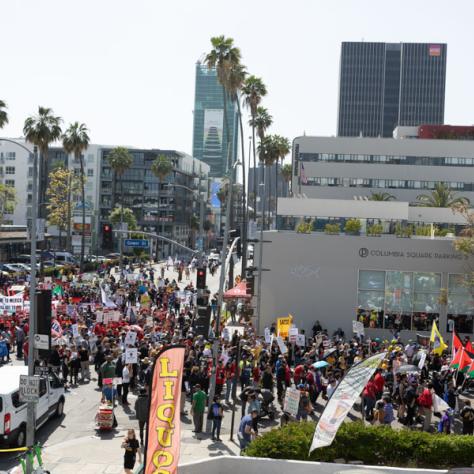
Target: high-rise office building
{"points": [[215, 135], [383, 85]]}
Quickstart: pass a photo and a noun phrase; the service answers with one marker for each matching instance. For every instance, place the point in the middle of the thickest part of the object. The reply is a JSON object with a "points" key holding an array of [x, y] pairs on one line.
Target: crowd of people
{"points": [[93, 320]]}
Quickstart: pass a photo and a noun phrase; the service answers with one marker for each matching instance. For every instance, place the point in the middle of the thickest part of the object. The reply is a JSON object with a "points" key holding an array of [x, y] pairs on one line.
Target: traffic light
{"points": [[202, 321], [201, 278], [107, 236]]}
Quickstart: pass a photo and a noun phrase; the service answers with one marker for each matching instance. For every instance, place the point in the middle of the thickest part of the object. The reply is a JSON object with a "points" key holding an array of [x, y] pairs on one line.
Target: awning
{"points": [[239, 291]]}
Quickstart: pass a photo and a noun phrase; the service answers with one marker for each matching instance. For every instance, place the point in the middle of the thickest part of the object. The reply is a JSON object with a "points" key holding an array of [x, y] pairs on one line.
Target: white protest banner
{"points": [[114, 316], [75, 330], [130, 338], [149, 321], [11, 304], [300, 340], [226, 334], [342, 400], [439, 405], [358, 328], [292, 401], [131, 355], [293, 335], [422, 360], [236, 329], [268, 337], [99, 316], [281, 345], [106, 318]]}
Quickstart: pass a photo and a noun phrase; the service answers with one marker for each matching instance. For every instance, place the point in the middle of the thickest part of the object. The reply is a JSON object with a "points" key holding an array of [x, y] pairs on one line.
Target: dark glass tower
{"points": [[382, 85], [214, 135]]}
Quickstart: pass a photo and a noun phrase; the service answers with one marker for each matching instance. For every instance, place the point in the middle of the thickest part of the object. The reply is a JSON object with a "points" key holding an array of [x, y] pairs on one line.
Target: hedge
{"points": [[375, 445]]}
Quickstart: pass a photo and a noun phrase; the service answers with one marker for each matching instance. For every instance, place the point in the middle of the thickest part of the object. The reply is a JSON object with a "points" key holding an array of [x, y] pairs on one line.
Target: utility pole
{"points": [[31, 406], [260, 261]]}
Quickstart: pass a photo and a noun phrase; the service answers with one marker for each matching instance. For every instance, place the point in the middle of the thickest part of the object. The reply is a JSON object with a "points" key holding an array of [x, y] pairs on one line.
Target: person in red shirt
{"points": [[369, 397], [220, 377], [379, 382], [425, 402]]}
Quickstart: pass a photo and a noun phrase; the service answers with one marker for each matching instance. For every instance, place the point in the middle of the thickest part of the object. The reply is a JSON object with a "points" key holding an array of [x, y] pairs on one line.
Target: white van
{"points": [[64, 258], [13, 412]]}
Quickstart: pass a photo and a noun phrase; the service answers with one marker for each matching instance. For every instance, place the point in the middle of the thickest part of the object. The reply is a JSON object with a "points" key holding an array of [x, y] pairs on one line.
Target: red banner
{"points": [[163, 429]]}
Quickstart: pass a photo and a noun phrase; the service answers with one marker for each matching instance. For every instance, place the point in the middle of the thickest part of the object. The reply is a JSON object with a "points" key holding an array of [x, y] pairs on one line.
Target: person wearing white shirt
{"points": [[126, 373]]}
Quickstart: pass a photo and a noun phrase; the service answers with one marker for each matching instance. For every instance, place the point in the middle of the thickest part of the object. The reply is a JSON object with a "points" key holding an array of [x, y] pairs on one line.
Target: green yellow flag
{"points": [[437, 340]]}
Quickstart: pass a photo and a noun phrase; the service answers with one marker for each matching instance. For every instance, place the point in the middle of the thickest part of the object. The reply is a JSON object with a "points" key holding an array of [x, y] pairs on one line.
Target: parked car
{"points": [[13, 411]]}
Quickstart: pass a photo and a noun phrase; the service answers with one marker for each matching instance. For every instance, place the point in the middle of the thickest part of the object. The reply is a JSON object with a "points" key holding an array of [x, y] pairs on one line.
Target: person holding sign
{"points": [[126, 374]]}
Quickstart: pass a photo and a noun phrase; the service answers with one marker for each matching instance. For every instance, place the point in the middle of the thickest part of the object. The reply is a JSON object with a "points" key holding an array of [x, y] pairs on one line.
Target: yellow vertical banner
{"points": [[284, 325]]}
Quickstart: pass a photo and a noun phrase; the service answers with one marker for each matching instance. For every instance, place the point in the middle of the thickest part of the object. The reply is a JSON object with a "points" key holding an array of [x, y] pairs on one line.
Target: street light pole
{"points": [[31, 406], [260, 260]]}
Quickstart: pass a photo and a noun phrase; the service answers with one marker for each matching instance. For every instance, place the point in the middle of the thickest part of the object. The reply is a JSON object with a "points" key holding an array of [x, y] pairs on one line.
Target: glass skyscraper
{"points": [[382, 85], [214, 135]]}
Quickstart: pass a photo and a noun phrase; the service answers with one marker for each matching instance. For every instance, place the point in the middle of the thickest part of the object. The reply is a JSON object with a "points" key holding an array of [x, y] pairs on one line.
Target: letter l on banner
{"points": [[163, 429]]}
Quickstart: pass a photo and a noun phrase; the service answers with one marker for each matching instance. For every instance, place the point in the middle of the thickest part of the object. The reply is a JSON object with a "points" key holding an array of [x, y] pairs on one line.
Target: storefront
{"points": [[387, 282]]}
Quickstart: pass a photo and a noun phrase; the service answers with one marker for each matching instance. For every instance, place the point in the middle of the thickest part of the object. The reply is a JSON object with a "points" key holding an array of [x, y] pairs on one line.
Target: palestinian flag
{"points": [[469, 348], [470, 370], [457, 344], [461, 361]]}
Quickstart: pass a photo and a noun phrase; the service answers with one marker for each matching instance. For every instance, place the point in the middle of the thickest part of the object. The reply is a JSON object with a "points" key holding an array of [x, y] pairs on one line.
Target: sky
{"points": [[126, 67]]}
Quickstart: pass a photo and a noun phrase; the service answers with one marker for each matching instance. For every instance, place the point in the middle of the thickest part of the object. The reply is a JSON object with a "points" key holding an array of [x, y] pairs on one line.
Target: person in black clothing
{"points": [[141, 411], [467, 417], [131, 446], [118, 373], [267, 378], [99, 359]]}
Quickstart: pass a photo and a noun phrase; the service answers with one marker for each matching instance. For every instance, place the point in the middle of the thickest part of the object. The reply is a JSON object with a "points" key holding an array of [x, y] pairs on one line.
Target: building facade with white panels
{"points": [[349, 167]]}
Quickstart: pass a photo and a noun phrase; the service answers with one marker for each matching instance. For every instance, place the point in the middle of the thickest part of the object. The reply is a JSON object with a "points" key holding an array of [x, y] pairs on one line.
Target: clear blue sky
{"points": [[126, 68]]}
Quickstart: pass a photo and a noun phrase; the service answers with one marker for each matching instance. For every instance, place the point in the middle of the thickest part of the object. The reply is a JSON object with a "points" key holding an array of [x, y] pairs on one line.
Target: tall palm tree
{"points": [[286, 174], [161, 167], [3, 114], [42, 130], [224, 57], [382, 197], [268, 154], [76, 140], [441, 196], [283, 146], [253, 91], [120, 161]]}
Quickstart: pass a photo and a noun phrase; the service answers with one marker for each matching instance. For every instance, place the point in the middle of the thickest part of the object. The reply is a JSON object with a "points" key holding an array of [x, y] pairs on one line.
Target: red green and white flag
{"points": [[461, 361], [457, 344]]}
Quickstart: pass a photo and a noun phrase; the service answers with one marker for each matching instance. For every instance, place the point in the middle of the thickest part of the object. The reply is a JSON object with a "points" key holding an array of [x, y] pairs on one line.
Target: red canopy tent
{"points": [[239, 291]]}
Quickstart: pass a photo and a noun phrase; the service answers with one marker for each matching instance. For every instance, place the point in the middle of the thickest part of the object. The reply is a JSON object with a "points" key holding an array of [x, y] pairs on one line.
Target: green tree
{"points": [[464, 243], [287, 173], [381, 197], [161, 168], [253, 91], [123, 214], [41, 130], [76, 140], [62, 183], [7, 200], [283, 146], [441, 196], [3, 114]]}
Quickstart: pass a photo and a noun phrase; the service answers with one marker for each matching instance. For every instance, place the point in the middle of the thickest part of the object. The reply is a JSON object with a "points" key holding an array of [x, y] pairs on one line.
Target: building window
{"points": [[10, 155], [90, 172], [9, 170], [10, 183], [30, 172], [90, 158], [460, 305]]}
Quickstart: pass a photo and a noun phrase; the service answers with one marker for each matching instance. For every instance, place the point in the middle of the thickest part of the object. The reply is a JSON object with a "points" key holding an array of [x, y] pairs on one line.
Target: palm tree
{"points": [[76, 140], [441, 196], [42, 130], [3, 114], [120, 161], [283, 146], [382, 197], [161, 167], [253, 91], [269, 154], [224, 57], [287, 173]]}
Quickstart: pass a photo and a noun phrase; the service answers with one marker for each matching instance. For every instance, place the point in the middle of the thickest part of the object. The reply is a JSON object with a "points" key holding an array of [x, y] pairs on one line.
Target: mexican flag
{"points": [[461, 361], [58, 291]]}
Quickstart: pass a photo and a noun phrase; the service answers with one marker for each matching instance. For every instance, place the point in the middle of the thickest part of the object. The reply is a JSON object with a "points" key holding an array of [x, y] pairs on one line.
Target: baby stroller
{"points": [[266, 404]]}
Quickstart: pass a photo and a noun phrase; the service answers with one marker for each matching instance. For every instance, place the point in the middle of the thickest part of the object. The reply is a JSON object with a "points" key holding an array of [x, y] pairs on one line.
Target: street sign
{"points": [[42, 370], [199, 243], [41, 341], [29, 388], [137, 243]]}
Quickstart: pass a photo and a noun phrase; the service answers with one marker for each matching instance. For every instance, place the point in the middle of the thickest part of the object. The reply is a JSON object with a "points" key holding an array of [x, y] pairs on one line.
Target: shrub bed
{"points": [[375, 445]]}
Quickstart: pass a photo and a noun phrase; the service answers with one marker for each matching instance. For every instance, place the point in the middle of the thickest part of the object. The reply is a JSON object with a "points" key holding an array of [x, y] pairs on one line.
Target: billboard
{"points": [[215, 202], [213, 130]]}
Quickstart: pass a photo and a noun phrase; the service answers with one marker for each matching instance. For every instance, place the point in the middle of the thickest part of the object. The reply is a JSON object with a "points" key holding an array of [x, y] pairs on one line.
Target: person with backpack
{"points": [[217, 413], [467, 417]]}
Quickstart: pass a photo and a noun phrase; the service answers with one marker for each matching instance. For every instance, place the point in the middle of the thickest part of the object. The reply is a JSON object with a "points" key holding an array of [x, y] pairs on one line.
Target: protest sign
{"points": [[300, 340], [11, 304], [99, 316], [75, 330], [358, 328], [130, 338], [292, 401], [284, 325], [267, 336], [342, 400], [131, 355], [422, 360], [281, 345]]}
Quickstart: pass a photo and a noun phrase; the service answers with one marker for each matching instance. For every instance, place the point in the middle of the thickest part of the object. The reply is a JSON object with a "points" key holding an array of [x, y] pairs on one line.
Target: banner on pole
{"points": [[343, 399], [163, 429]]}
